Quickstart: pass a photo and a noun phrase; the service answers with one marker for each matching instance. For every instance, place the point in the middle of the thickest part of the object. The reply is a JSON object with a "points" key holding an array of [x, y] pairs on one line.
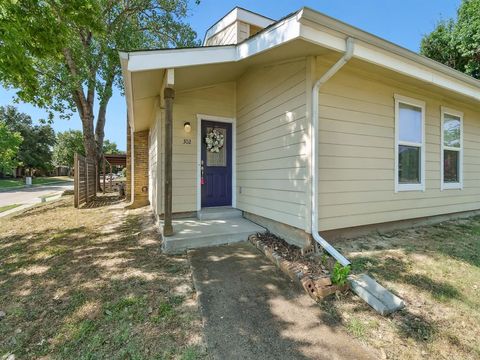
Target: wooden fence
{"points": [[85, 184]]}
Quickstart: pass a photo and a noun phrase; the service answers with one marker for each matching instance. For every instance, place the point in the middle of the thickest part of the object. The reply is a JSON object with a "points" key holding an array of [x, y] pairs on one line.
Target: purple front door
{"points": [[216, 164]]}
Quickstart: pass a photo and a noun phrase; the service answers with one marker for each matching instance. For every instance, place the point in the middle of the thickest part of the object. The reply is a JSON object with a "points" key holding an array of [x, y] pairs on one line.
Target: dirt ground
{"points": [[93, 284], [436, 270]]}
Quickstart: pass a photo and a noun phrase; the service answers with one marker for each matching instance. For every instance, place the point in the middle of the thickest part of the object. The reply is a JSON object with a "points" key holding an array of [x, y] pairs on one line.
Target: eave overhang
{"points": [[316, 28]]}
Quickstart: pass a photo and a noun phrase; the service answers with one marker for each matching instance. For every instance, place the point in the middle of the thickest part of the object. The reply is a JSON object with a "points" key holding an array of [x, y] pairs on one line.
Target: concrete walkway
{"points": [[252, 311]]}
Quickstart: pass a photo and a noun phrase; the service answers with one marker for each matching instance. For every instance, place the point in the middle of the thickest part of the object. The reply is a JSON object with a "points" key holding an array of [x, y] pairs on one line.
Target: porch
{"points": [[211, 227], [261, 167]]}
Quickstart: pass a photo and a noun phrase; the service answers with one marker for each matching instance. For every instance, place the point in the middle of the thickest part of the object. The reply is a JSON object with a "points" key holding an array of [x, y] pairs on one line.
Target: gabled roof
{"points": [[311, 27]]}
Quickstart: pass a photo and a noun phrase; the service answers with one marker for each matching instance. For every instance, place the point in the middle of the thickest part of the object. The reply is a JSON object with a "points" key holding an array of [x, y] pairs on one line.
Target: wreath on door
{"points": [[214, 141]]}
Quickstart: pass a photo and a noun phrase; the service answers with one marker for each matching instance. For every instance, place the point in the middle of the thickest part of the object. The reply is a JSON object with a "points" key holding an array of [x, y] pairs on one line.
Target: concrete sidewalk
{"points": [[252, 311]]}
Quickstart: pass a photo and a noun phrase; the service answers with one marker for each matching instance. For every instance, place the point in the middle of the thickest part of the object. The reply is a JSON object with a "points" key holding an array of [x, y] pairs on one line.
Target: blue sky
{"points": [[402, 22]]}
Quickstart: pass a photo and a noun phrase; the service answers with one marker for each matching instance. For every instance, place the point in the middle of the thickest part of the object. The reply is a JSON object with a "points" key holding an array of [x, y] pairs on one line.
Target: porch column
{"points": [[169, 95]]}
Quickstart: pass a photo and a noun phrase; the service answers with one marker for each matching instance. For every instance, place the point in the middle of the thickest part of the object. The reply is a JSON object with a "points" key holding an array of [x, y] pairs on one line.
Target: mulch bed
{"points": [[310, 272]]}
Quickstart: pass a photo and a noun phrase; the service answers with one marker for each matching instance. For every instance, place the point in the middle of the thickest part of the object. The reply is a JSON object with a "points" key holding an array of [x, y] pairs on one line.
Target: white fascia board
{"points": [[384, 58], [164, 59], [331, 34], [279, 34], [127, 84], [238, 14], [412, 69], [323, 38]]}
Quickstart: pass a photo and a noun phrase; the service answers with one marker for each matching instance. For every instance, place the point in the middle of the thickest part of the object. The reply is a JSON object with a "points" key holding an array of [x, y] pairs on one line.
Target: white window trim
{"points": [[458, 185], [400, 99]]}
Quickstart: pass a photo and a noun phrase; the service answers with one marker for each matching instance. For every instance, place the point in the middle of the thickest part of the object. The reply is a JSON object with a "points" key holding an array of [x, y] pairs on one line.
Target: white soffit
{"points": [[319, 29], [282, 32], [331, 33]]}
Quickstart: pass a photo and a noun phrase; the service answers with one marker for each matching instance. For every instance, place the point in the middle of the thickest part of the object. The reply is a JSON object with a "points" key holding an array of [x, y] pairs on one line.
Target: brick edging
{"points": [[316, 288]]}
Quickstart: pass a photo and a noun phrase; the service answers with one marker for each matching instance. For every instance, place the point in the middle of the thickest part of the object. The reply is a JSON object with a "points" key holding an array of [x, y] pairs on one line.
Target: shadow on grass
{"points": [[77, 290], [103, 200], [409, 325], [439, 290]]}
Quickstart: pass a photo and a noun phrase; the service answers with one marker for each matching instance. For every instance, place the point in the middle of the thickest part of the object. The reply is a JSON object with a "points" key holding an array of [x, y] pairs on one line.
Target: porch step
{"points": [[220, 212], [194, 233]]}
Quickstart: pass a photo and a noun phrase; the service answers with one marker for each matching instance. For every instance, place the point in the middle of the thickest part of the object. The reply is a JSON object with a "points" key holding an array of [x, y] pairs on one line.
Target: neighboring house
{"points": [[397, 134]]}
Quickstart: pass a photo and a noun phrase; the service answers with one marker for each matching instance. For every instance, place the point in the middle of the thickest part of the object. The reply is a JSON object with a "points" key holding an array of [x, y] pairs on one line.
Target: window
{"points": [[452, 149], [409, 144]]}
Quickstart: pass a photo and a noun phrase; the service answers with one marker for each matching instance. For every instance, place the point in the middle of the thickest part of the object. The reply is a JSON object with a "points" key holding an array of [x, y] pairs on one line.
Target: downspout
{"points": [[314, 160]]}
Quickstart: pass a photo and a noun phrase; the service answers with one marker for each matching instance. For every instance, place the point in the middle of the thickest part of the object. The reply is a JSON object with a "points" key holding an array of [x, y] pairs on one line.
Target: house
{"points": [[313, 126]]}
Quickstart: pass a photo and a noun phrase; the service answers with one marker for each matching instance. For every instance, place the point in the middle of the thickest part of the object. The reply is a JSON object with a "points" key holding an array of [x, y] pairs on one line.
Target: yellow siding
{"points": [[227, 36], [272, 150], [356, 145], [243, 31], [217, 100]]}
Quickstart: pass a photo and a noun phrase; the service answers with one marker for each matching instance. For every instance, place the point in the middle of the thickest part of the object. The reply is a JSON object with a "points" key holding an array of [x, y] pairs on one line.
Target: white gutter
{"points": [[314, 161]]}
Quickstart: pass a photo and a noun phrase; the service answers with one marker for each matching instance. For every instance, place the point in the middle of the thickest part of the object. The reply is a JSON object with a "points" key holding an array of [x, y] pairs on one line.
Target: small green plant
{"points": [[324, 259], [357, 328], [340, 274]]}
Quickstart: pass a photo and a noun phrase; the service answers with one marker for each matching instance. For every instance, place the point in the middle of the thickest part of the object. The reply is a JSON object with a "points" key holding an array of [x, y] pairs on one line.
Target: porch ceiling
{"points": [[147, 85], [203, 75]]}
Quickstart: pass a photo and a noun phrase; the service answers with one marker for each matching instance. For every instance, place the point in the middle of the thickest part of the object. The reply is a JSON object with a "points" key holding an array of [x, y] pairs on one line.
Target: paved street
{"points": [[32, 195]]}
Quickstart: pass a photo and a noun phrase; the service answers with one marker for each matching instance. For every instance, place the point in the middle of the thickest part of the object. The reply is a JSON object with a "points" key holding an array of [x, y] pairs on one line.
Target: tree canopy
{"points": [[9, 145], [456, 43], [68, 143], [35, 151], [110, 147], [62, 55]]}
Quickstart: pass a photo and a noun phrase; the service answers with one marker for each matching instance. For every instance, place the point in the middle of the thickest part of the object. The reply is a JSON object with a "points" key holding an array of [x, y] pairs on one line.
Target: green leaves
{"points": [[63, 55], [36, 34], [457, 43], [340, 274], [110, 147], [35, 151], [9, 144], [68, 143]]}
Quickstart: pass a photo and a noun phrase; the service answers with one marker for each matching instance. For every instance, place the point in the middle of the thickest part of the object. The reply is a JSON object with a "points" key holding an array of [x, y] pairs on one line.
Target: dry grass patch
{"points": [[436, 270], [93, 284]]}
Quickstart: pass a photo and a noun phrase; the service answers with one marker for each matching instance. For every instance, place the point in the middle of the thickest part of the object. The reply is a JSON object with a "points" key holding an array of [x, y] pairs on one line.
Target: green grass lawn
{"points": [[13, 183], [93, 284], [8, 207], [436, 270]]}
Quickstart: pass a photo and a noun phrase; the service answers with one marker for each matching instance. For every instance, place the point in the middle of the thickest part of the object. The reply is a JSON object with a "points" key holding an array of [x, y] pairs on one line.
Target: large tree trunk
{"points": [[101, 118], [84, 106], [89, 138]]}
